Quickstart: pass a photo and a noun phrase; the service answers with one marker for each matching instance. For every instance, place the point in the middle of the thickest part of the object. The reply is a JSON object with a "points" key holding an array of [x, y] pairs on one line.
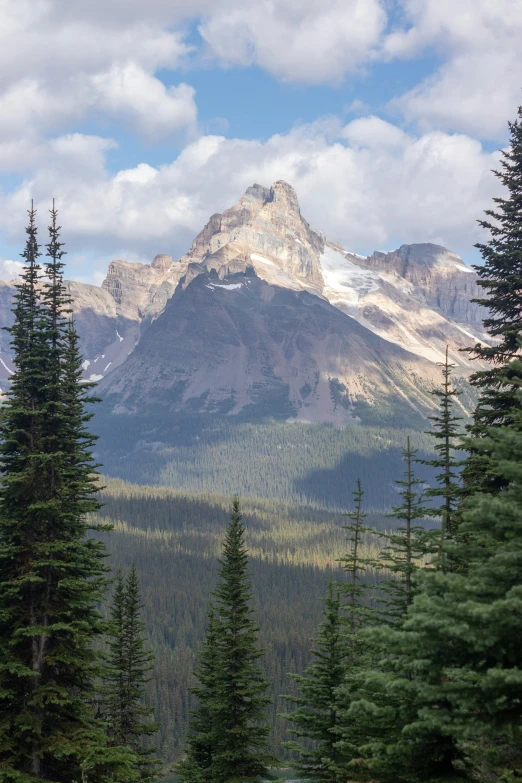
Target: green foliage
{"points": [[501, 278], [407, 545], [202, 742], [329, 685], [317, 715], [232, 743], [369, 718], [460, 643], [52, 574], [127, 672], [355, 565], [307, 464], [175, 540], [445, 432]]}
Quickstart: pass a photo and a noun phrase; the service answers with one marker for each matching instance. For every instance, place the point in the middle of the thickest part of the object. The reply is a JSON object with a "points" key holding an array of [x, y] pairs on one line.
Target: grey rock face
{"points": [[440, 278], [226, 345], [162, 262]]}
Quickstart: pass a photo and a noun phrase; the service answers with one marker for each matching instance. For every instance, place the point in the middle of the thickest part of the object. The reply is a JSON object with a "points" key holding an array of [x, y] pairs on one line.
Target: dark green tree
{"points": [[240, 754], [204, 726], [53, 574], [360, 614], [407, 544], [501, 278], [317, 715], [374, 707], [448, 439], [129, 664], [460, 643]]}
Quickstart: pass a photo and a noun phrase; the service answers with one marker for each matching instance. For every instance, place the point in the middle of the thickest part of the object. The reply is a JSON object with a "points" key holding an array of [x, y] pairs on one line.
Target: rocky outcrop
{"points": [[439, 276], [265, 228]]}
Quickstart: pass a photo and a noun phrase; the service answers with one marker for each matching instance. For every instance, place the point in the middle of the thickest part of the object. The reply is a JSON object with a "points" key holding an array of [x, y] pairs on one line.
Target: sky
{"points": [[143, 118]]}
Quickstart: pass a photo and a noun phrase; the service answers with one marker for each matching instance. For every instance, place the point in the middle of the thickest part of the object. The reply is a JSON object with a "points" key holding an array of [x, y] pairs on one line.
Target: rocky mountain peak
{"points": [[430, 255], [255, 193], [162, 262], [283, 193]]}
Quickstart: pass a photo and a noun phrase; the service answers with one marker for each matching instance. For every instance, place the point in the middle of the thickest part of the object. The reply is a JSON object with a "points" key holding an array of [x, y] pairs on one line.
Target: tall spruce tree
{"points": [[355, 566], [129, 664], [448, 438], [317, 716], [53, 575], [501, 278], [375, 707], [461, 640], [237, 720], [204, 726], [359, 614], [407, 544]]}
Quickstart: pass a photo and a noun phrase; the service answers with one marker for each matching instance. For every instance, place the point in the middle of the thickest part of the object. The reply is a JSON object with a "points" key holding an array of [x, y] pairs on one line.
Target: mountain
{"points": [[264, 313], [263, 320], [417, 297], [229, 344]]}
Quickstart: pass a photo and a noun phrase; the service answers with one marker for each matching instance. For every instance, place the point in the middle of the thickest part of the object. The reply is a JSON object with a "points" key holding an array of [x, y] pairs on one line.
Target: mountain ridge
{"points": [[415, 298]]}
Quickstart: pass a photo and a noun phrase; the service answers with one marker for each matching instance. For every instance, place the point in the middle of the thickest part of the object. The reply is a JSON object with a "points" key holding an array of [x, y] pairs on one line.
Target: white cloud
{"points": [[367, 184], [477, 87], [148, 106], [57, 70], [373, 132], [62, 63], [9, 270], [297, 40]]}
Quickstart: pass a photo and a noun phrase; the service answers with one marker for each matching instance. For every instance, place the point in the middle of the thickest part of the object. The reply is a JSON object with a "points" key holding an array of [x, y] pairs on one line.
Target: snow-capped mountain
{"points": [[263, 310]]}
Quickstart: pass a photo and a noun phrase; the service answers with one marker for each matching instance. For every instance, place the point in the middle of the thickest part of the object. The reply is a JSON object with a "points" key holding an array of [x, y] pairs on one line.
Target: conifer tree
{"points": [[204, 726], [52, 573], [374, 707], [317, 715], [359, 655], [461, 641], [445, 431], [241, 731], [328, 685], [501, 278], [406, 544], [128, 670], [355, 566]]}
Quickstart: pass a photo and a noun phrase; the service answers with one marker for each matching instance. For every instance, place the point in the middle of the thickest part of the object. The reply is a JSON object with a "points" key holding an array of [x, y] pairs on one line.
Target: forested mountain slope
{"points": [[175, 538]]}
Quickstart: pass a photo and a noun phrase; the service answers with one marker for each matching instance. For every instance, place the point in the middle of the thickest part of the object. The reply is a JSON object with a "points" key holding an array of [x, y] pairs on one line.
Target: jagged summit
{"points": [[282, 192], [162, 262]]}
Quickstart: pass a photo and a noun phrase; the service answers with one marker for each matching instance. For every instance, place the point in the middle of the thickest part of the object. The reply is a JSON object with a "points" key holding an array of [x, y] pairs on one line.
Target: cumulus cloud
{"points": [[127, 91], [367, 184], [477, 87], [64, 62], [297, 40], [59, 70], [9, 270]]}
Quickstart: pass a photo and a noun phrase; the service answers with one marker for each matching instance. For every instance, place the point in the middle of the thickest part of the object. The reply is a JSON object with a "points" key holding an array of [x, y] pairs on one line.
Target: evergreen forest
{"points": [[363, 629]]}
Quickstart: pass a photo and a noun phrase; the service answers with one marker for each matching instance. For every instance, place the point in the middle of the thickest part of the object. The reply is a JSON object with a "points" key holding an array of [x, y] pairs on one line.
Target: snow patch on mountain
{"points": [[343, 277], [11, 372], [257, 257], [226, 286]]}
